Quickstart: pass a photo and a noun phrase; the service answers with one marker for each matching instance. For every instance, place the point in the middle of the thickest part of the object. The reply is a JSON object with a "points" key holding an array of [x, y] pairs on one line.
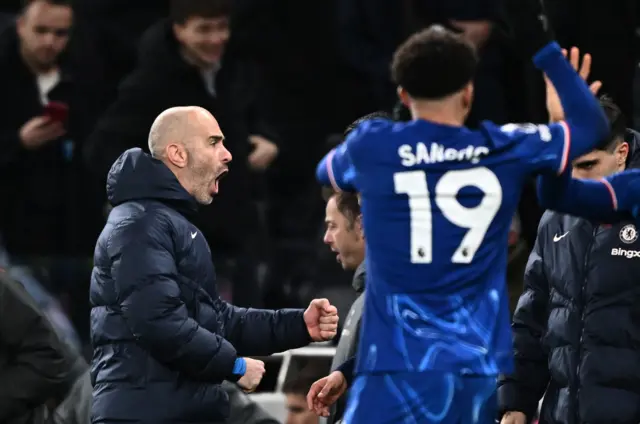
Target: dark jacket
{"points": [[163, 79], [54, 208], [345, 357], [35, 365], [577, 324], [163, 339], [244, 410]]}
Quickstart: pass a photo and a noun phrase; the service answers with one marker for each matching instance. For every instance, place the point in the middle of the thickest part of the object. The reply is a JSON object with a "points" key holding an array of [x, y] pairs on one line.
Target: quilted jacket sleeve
{"points": [[523, 390], [149, 297], [256, 332]]}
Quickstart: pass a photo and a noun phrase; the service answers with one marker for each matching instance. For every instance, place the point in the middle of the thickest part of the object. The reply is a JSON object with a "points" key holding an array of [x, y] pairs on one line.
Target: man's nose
{"points": [[49, 39], [219, 38], [226, 156], [327, 238]]}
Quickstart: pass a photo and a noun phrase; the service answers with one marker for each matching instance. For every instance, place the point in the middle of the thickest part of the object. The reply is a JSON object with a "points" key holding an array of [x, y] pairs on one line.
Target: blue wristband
{"points": [[239, 367]]}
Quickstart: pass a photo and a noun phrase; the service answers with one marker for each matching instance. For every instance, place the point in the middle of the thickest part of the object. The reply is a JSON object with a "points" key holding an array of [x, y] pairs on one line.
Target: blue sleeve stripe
{"points": [[330, 173], [239, 367], [612, 192], [566, 148]]}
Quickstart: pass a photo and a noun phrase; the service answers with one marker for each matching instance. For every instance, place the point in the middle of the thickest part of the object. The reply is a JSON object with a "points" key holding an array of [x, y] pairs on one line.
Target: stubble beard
{"points": [[202, 183]]}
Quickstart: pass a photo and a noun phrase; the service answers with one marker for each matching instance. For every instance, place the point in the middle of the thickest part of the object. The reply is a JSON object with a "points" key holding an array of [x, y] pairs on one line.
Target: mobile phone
{"points": [[57, 111]]}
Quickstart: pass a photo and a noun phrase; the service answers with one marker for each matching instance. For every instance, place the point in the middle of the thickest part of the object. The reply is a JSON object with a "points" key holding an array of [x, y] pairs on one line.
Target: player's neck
{"points": [[442, 113]]}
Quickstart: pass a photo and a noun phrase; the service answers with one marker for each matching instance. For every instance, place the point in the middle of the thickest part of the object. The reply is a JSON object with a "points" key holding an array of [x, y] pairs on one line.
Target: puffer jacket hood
{"points": [[135, 175]]}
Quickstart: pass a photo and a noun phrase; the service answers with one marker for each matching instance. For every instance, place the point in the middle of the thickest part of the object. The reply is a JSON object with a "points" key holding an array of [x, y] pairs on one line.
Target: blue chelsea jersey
{"points": [[437, 204], [610, 199]]}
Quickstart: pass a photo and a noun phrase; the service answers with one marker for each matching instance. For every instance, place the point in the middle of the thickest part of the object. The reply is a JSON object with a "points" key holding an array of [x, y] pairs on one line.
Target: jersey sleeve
{"points": [[625, 190], [608, 199], [542, 148], [337, 168]]}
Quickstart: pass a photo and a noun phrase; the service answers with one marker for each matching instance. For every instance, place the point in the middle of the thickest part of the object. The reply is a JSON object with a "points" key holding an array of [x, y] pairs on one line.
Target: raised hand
{"points": [[554, 106], [321, 318], [263, 154]]}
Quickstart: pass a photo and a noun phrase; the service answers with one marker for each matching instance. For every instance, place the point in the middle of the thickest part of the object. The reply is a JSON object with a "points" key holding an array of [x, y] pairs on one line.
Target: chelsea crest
{"points": [[628, 234]]}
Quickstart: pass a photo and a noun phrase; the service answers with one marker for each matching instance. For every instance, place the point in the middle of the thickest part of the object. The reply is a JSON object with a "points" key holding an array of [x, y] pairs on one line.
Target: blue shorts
{"points": [[422, 398]]}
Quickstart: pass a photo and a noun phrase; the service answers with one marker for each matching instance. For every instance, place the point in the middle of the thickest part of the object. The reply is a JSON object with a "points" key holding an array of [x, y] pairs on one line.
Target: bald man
{"points": [[163, 339], [196, 164]]}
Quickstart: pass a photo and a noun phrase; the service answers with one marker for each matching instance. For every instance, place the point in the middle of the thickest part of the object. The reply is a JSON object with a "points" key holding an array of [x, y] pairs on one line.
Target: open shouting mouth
{"points": [[218, 178]]}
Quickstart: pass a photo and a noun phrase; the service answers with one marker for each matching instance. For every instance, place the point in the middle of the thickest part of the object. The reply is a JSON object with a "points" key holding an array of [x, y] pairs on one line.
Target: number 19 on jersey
{"points": [[476, 219]]}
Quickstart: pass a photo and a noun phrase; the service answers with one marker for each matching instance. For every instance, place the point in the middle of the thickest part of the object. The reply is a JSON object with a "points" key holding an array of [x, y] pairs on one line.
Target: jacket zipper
{"points": [[576, 382]]}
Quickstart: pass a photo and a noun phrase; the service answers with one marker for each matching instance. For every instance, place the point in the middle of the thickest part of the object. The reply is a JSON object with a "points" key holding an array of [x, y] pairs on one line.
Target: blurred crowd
{"points": [[82, 82]]}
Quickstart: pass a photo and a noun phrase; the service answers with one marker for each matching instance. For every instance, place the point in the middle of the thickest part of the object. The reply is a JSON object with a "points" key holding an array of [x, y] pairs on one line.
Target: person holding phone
{"points": [[40, 130], [52, 96]]}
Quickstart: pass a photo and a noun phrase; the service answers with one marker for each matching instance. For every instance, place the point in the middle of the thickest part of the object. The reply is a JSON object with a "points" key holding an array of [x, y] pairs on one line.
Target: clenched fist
{"points": [[252, 376], [321, 319]]}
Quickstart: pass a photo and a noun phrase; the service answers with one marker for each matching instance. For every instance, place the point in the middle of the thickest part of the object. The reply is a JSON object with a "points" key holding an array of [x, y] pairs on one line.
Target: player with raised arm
{"points": [[609, 199], [437, 202]]}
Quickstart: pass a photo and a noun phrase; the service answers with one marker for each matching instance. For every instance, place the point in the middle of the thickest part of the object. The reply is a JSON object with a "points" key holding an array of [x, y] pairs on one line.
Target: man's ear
{"points": [[404, 96], [20, 24], [178, 32], [177, 155], [467, 97], [622, 153]]}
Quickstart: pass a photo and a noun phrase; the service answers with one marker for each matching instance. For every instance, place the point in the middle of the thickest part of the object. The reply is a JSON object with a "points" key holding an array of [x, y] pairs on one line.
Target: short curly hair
{"points": [[434, 63]]}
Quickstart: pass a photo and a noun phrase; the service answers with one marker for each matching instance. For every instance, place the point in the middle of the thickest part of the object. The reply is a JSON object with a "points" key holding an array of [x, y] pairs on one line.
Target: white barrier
{"points": [[274, 402], [319, 352]]}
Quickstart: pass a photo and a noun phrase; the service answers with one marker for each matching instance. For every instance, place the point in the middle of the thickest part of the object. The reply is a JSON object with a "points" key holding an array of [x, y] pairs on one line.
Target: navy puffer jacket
{"points": [[576, 330], [163, 339]]}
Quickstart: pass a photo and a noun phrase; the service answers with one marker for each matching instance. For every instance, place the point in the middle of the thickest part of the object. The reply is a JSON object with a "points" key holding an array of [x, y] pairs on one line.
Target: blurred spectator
{"points": [[607, 30], [40, 375], [296, 391], [46, 302], [182, 62], [243, 410], [51, 90]]}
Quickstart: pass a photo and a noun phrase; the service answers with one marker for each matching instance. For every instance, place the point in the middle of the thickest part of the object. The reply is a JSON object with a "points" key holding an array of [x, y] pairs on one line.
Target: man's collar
{"points": [[358, 282]]}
